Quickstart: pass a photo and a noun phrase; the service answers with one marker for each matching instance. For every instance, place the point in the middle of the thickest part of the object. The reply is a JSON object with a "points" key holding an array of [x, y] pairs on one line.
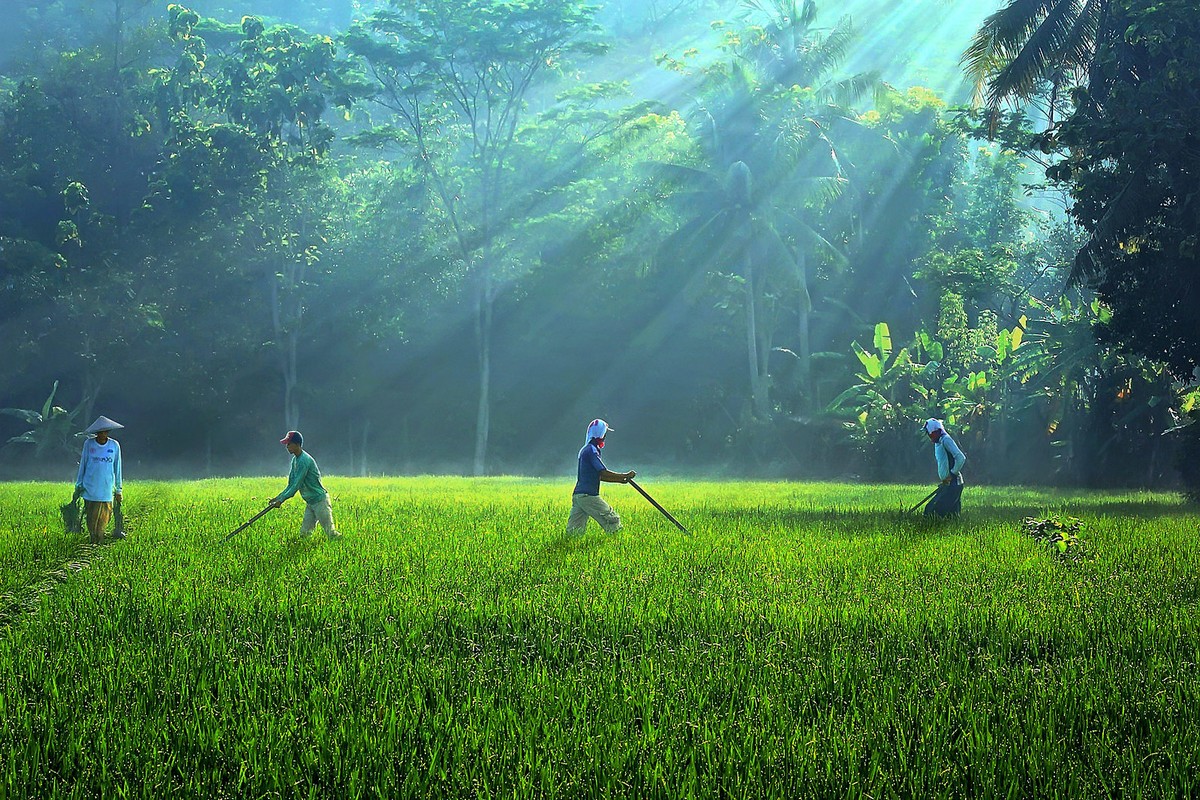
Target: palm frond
{"points": [[832, 51], [1000, 37], [1041, 54], [849, 91], [683, 175]]}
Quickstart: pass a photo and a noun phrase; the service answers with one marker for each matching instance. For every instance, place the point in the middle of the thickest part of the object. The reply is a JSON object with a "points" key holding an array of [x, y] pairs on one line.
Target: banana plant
{"points": [[53, 427], [888, 387]]}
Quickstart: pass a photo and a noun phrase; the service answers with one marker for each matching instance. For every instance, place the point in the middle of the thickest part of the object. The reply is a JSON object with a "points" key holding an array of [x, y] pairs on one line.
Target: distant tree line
{"points": [[441, 235]]}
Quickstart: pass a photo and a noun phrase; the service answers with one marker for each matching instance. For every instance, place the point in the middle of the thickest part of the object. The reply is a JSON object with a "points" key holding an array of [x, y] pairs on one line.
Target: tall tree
{"points": [[73, 166], [1133, 163], [768, 168], [457, 76], [800, 64], [1034, 49]]}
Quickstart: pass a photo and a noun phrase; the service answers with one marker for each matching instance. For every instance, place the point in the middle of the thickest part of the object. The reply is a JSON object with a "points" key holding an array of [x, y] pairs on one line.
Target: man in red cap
{"points": [[305, 477], [585, 500]]}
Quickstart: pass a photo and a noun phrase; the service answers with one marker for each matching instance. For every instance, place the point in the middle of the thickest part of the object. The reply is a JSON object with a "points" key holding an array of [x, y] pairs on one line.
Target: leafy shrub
{"points": [[1189, 457], [1061, 534]]}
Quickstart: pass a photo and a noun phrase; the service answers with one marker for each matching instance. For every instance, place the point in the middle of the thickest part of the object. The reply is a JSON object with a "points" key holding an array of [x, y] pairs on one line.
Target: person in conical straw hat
{"points": [[950, 460], [98, 481], [586, 502]]}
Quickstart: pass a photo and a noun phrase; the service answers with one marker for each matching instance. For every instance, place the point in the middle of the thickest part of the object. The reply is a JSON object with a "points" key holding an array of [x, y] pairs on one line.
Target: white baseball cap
{"points": [[932, 425], [597, 429]]}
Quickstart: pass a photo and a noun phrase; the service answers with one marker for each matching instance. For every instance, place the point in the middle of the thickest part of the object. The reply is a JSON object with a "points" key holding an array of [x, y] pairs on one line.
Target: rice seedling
{"points": [[458, 643]]}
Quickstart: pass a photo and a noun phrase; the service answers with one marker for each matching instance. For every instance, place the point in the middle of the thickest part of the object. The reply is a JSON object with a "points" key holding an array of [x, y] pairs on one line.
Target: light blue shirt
{"points": [[99, 470], [950, 458]]}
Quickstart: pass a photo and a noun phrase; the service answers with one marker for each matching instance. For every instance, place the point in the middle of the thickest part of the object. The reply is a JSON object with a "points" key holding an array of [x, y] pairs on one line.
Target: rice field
{"points": [[806, 640]]}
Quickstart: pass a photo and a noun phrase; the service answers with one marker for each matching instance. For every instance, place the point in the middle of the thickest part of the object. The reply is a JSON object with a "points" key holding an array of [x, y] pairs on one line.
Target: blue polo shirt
{"points": [[590, 467]]}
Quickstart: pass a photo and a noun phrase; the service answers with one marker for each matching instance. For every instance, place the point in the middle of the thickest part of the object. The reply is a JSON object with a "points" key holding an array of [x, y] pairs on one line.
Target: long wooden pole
{"points": [[247, 523], [654, 503]]}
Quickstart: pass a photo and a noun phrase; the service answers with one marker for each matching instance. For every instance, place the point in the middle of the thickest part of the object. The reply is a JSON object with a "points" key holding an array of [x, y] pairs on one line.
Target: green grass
{"points": [[804, 641]]}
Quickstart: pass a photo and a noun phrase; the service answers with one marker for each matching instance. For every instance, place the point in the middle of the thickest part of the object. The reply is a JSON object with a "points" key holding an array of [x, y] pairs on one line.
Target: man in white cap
{"points": [[585, 500], [99, 478], [305, 478], [950, 461]]}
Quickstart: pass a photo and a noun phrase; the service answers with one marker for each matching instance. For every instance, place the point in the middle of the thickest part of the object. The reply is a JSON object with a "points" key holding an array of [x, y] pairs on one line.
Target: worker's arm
{"points": [[617, 477], [299, 470]]}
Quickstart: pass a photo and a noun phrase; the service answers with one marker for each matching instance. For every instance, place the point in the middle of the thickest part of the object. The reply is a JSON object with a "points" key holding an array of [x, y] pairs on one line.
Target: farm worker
{"points": [[305, 477], [950, 461], [585, 500], [99, 478]]}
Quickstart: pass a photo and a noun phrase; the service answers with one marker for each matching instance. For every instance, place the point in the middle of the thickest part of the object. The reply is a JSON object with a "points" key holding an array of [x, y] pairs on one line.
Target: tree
{"points": [[456, 77], [73, 168], [259, 168], [768, 169], [1133, 164], [799, 65], [1037, 48]]}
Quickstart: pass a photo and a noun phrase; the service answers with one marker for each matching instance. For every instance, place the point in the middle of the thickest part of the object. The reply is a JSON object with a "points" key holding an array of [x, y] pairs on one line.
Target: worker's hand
{"points": [[78, 494], [116, 497], [946, 481], [274, 503], [630, 476]]}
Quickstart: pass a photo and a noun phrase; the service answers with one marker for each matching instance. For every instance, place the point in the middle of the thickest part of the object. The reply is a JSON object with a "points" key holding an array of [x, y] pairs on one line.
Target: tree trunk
{"points": [[483, 338], [366, 434], [291, 397], [757, 384], [804, 333], [287, 337]]}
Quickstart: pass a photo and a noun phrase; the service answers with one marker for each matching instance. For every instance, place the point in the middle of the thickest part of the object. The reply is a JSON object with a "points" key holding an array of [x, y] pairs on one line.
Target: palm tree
{"points": [[729, 223], [790, 50], [792, 53], [769, 163], [1031, 45]]}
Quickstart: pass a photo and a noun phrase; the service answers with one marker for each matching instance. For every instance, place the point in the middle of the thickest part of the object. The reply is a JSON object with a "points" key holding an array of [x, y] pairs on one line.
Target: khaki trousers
{"points": [[97, 515], [322, 512], [585, 506]]}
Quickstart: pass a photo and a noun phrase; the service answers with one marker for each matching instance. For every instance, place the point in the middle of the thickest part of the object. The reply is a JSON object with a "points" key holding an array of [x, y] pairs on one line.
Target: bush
{"points": [[1188, 457]]}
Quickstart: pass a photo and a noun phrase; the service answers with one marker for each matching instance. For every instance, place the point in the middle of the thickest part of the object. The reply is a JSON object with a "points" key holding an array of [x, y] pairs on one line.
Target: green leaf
{"points": [[883, 340], [28, 416], [870, 361], [49, 401]]}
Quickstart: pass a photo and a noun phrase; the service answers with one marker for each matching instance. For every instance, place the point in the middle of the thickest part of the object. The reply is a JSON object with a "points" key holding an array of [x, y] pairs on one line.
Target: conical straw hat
{"points": [[103, 423]]}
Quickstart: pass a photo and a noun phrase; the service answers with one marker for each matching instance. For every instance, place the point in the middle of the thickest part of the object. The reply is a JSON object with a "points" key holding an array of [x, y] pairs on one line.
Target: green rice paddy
{"points": [[804, 641]]}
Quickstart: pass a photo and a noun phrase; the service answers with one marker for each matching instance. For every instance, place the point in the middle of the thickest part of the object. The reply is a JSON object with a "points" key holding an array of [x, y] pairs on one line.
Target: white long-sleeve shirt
{"points": [[950, 458], [100, 470]]}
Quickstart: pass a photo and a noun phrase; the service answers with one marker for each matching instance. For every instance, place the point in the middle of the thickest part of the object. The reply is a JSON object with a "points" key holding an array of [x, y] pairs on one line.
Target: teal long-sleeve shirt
{"points": [[305, 477]]}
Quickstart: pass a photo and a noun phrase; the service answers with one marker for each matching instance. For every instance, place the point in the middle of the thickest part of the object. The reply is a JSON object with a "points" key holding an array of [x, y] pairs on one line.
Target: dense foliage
{"points": [[444, 235], [1116, 84]]}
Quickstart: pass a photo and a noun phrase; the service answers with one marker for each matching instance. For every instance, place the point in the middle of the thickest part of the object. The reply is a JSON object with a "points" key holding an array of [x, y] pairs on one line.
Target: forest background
{"points": [[761, 239]]}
